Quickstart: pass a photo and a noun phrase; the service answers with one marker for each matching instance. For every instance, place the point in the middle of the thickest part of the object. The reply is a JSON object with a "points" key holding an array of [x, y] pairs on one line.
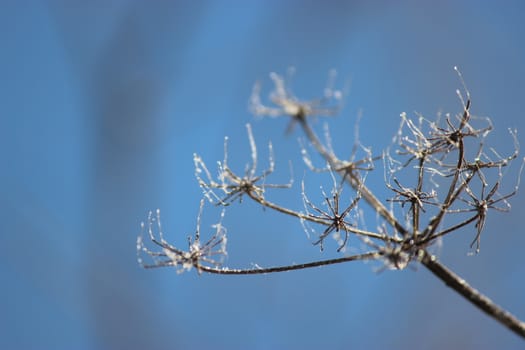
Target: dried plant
{"points": [[232, 185], [198, 255], [441, 176]]}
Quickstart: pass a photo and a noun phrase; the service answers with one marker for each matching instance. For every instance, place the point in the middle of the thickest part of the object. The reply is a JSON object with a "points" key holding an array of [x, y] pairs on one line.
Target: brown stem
{"points": [[471, 294], [259, 199], [258, 271]]}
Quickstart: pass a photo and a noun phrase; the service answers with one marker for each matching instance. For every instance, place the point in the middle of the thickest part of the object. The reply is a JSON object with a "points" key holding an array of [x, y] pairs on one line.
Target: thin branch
{"points": [[260, 270], [322, 221]]}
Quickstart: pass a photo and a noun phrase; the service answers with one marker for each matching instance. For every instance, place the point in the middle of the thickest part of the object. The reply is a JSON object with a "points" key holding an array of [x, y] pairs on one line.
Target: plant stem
{"points": [[471, 294], [259, 270]]}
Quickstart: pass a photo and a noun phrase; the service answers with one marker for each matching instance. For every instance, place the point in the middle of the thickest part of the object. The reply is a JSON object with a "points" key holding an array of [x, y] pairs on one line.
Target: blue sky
{"points": [[104, 104]]}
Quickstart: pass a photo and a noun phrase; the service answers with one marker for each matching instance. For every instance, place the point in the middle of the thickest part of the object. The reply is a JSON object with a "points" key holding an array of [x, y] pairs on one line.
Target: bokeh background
{"points": [[102, 105]]}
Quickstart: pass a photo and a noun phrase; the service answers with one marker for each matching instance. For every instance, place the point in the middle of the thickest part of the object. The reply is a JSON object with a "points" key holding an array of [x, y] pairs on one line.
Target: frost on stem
{"points": [[286, 104], [209, 253], [229, 183]]}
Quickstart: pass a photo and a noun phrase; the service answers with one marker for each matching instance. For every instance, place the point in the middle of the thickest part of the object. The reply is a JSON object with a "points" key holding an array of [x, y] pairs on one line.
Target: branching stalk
{"points": [[439, 154]]}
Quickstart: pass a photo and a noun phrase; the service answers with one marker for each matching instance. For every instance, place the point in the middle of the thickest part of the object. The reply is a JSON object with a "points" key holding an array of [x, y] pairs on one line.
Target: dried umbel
{"points": [[231, 185], [441, 174], [199, 255]]}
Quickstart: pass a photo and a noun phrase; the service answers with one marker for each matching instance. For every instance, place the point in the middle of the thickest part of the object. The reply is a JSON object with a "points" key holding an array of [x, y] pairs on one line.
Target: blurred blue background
{"points": [[102, 105]]}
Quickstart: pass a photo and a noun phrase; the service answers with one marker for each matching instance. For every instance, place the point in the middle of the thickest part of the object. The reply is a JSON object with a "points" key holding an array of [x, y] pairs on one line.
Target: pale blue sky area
{"points": [[103, 104]]}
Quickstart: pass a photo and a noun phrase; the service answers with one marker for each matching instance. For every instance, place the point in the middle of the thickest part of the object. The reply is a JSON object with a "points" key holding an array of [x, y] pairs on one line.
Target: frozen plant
{"points": [[441, 174]]}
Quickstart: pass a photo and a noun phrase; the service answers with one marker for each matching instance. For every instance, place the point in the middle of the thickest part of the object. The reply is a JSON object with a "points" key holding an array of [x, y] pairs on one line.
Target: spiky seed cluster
{"points": [[231, 185], [286, 104], [199, 254]]}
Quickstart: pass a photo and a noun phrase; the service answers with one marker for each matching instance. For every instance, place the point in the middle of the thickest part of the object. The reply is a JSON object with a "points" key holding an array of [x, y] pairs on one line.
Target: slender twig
{"points": [[261, 270], [323, 221]]}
